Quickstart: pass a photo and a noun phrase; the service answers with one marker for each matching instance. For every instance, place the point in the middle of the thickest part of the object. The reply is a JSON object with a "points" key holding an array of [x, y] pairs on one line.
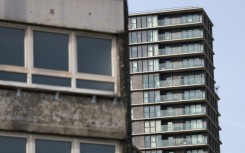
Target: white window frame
{"points": [[11, 68], [72, 72], [75, 142]]}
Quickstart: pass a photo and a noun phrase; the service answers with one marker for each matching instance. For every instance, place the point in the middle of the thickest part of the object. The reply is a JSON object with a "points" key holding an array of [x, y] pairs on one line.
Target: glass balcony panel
{"points": [[167, 21], [160, 22], [167, 36], [160, 37]]}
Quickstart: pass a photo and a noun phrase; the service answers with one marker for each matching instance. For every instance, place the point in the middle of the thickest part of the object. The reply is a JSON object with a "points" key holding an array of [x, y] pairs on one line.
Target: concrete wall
{"points": [[69, 115], [94, 15]]}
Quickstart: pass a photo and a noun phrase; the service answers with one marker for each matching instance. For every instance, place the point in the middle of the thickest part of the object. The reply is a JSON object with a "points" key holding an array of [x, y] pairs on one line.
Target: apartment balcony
{"points": [[183, 142], [169, 66], [182, 97], [181, 112], [177, 143], [178, 21], [165, 52], [180, 82], [167, 37], [166, 128]]}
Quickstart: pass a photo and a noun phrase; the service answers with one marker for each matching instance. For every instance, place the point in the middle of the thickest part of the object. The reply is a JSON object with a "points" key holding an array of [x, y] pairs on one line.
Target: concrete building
{"points": [[64, 80], [174, 103]]}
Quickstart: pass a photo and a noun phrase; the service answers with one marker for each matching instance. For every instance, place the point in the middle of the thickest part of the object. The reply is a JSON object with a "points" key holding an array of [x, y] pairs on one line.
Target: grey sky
{"points": [[229, 31]]}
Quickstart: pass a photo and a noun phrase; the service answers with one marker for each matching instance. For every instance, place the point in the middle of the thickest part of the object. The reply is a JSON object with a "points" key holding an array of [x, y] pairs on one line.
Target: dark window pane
{"points": [[12, 145], [48, 146], [51, 50], [55, 81], [8, 76], [12, 46], [95, 85], [143, 21], [96, 148], [94, 55]]}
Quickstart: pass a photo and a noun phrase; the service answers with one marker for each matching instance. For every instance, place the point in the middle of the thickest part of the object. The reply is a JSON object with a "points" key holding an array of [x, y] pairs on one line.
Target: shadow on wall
{"points": [[15, 9]]}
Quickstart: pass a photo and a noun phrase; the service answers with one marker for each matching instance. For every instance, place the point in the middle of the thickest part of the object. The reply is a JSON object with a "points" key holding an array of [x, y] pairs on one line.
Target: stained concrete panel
{"points": [[95, 15], [69, 115]]}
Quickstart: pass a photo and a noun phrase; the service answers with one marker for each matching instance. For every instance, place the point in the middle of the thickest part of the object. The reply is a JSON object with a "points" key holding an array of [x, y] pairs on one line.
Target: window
{"points": [[77, 62], [50, 146], [151, 111], [133, 37], [150, 65], [12, 144], [12, 54], [195, 151], [96, 148], [189, 18], [133, 23], [151, 96], [97, 49], [153, 141], [150, 51], [147, 141], [149, 21], [21, 143], [152, 35], [143, 21], [193, 94], [50, 48], [154, 151], [135, 66], [146, 99], [133, 52], [144, 36], [138, 22]]}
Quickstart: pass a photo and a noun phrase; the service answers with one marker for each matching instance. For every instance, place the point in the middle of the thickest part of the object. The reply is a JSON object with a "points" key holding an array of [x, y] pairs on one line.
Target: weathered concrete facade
{"points": [[95, 15], [35, 111], [69, 115]]}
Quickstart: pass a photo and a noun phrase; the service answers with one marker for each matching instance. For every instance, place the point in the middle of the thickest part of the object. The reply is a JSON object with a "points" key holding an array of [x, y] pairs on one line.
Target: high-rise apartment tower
{"points": [[174, 103]]}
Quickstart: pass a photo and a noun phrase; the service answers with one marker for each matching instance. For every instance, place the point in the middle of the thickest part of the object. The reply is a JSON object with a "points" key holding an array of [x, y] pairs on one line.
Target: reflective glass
{"points": [[147, 141], [12, 46], [146, 111], [12, 145], [95, 85], [51, 50], [134, 52], [96, 148], [94, 55], [50, 146], [54, 81], [9, 76]]}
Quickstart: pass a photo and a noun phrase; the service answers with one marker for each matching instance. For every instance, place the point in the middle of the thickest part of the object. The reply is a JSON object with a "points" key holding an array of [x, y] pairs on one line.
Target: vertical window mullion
{"points": [[29, 54], [30, 144], [75, 146], [72, 59]]}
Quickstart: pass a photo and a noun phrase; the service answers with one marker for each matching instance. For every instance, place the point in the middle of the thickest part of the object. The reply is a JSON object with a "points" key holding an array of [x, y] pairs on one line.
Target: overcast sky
{"points": [[228, 17]]}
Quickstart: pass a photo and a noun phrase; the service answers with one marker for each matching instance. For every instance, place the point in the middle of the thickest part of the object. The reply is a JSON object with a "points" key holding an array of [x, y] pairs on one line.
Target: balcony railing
{"points": [[176, 52], [165, 113], [163, 66], [183, 141], [180, 97], [177, 142], [179, 82], [183, 126], [161, 22], [162, 37]]}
